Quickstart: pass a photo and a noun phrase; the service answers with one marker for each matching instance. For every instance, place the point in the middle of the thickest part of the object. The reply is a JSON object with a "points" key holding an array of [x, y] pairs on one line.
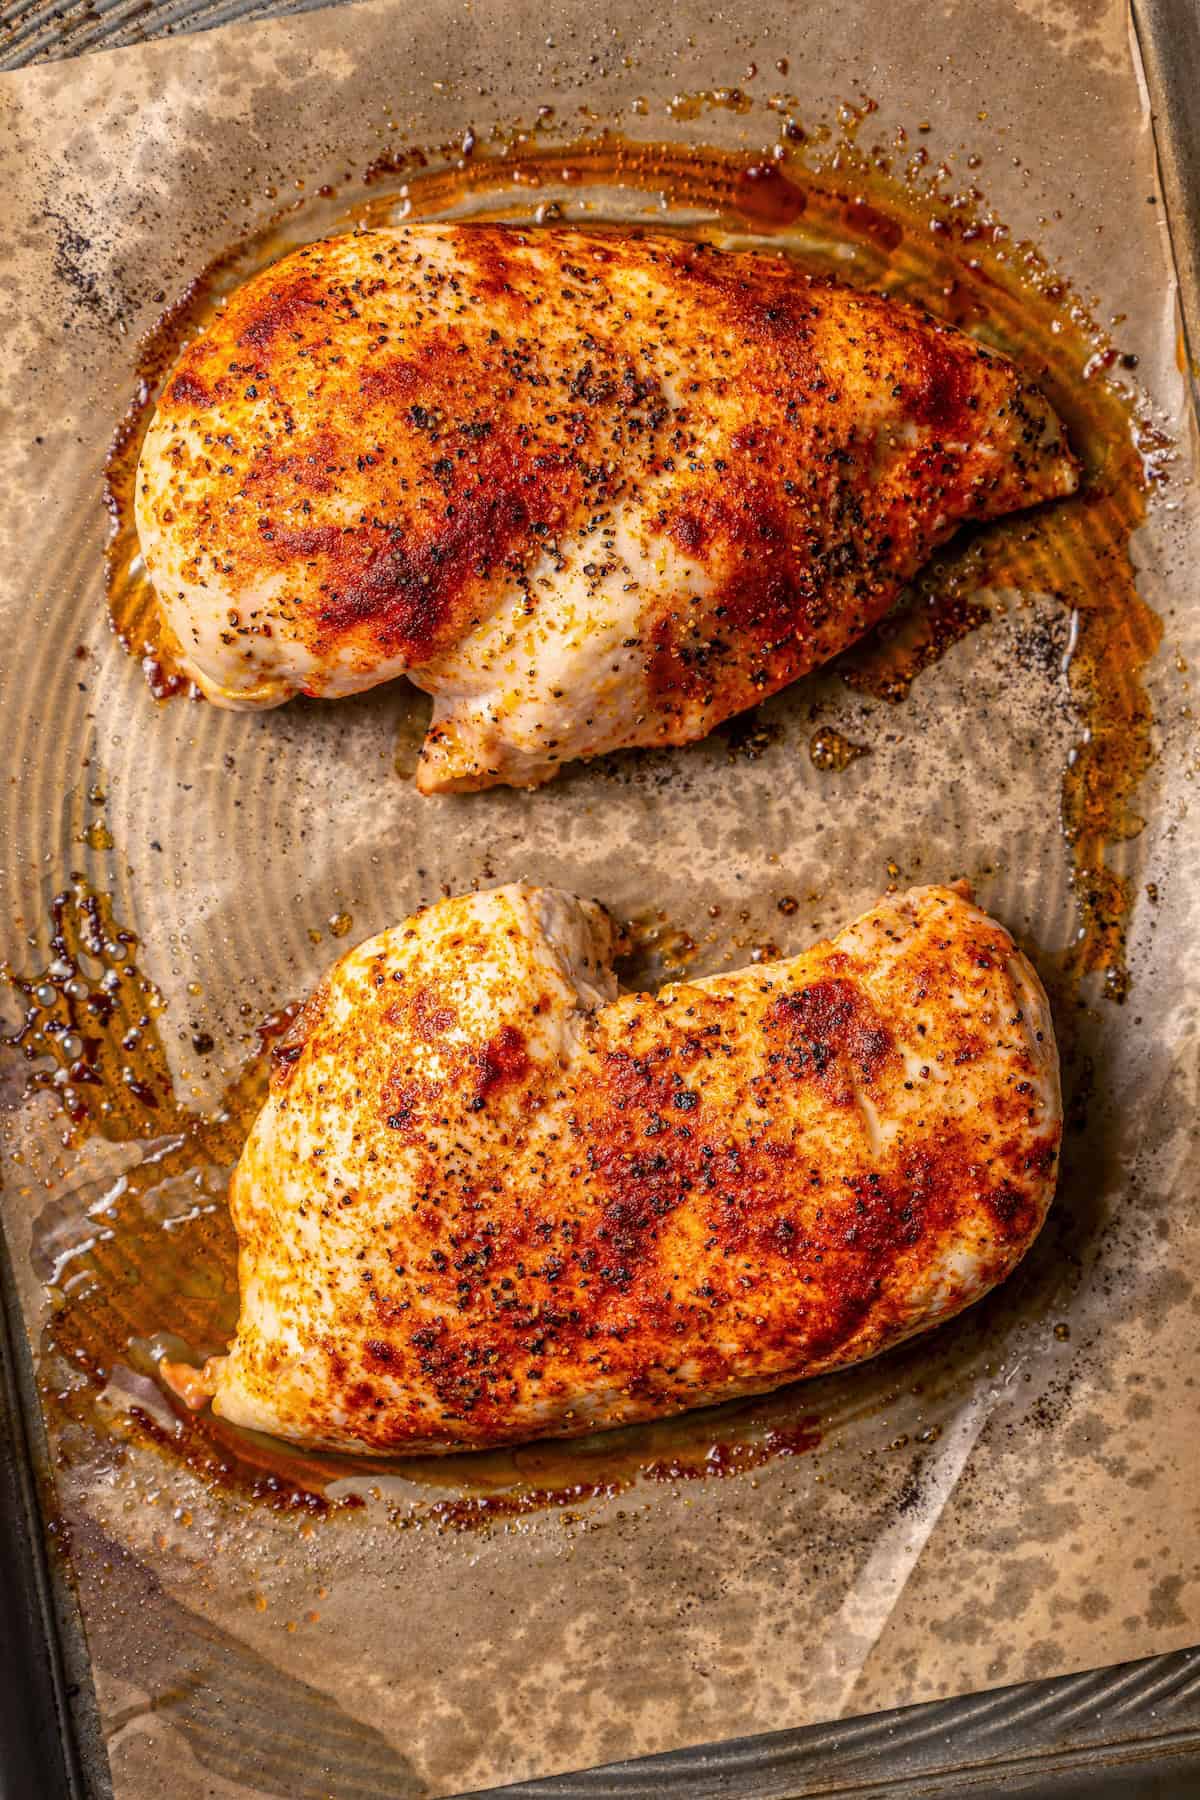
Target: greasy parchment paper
{"points": [[1031, 1510]]}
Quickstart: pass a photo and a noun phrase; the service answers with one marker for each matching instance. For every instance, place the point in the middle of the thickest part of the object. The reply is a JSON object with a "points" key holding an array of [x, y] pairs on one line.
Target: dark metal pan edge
{"points": [[1130, 1729], [45, 1667], [1168, 39]]}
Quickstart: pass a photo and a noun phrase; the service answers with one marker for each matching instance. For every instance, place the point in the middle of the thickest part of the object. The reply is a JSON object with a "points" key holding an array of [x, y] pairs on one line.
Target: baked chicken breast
{"points": [[590, 491], [489, 1200]]}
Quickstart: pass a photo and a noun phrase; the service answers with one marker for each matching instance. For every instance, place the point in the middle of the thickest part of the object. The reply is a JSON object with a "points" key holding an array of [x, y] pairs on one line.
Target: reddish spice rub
{"points": [[494, 1203], [591, 492]]}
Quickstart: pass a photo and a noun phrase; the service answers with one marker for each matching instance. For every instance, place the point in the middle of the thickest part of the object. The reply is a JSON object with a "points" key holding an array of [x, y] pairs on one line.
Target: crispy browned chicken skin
{"points": [[590, 491], [488, 1201]]}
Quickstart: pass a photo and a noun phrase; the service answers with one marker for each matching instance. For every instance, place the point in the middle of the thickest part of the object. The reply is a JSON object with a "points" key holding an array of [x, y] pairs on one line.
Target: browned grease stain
{"points": [[722, 99], [911, 239], [940, 610], [86, 1026], [831, 752], [655, 948], [151, 1267], [721, 1458]]}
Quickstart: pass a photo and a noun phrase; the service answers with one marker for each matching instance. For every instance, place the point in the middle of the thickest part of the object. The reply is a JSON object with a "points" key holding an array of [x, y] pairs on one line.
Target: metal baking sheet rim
{"points": [[1127, 1729]]}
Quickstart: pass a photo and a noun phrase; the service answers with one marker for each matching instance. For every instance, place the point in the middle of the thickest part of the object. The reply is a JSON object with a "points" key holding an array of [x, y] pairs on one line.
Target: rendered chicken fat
{"points": [[489, 1200], [591, 491]]}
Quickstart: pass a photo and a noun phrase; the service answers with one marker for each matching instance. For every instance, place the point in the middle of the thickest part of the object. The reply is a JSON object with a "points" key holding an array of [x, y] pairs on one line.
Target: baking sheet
{"points": [[1027, 1512]]}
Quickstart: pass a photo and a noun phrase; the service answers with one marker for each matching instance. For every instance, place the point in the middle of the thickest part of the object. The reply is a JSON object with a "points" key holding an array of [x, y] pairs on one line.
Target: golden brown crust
{"points": [[470, 1219], [382, 437]]}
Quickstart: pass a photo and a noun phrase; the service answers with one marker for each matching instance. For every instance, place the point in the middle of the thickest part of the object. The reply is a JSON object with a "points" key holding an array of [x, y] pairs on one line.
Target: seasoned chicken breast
{"points": [[590, 491], [488, 1200]]}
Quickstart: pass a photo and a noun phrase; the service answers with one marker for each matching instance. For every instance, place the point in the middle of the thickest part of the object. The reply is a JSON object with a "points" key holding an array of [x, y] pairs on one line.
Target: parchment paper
{"points": [[1031, 1509]]}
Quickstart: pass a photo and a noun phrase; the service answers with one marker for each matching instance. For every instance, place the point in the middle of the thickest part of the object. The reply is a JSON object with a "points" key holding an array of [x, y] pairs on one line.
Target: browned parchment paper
{"points": [[1029, 1510]]}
